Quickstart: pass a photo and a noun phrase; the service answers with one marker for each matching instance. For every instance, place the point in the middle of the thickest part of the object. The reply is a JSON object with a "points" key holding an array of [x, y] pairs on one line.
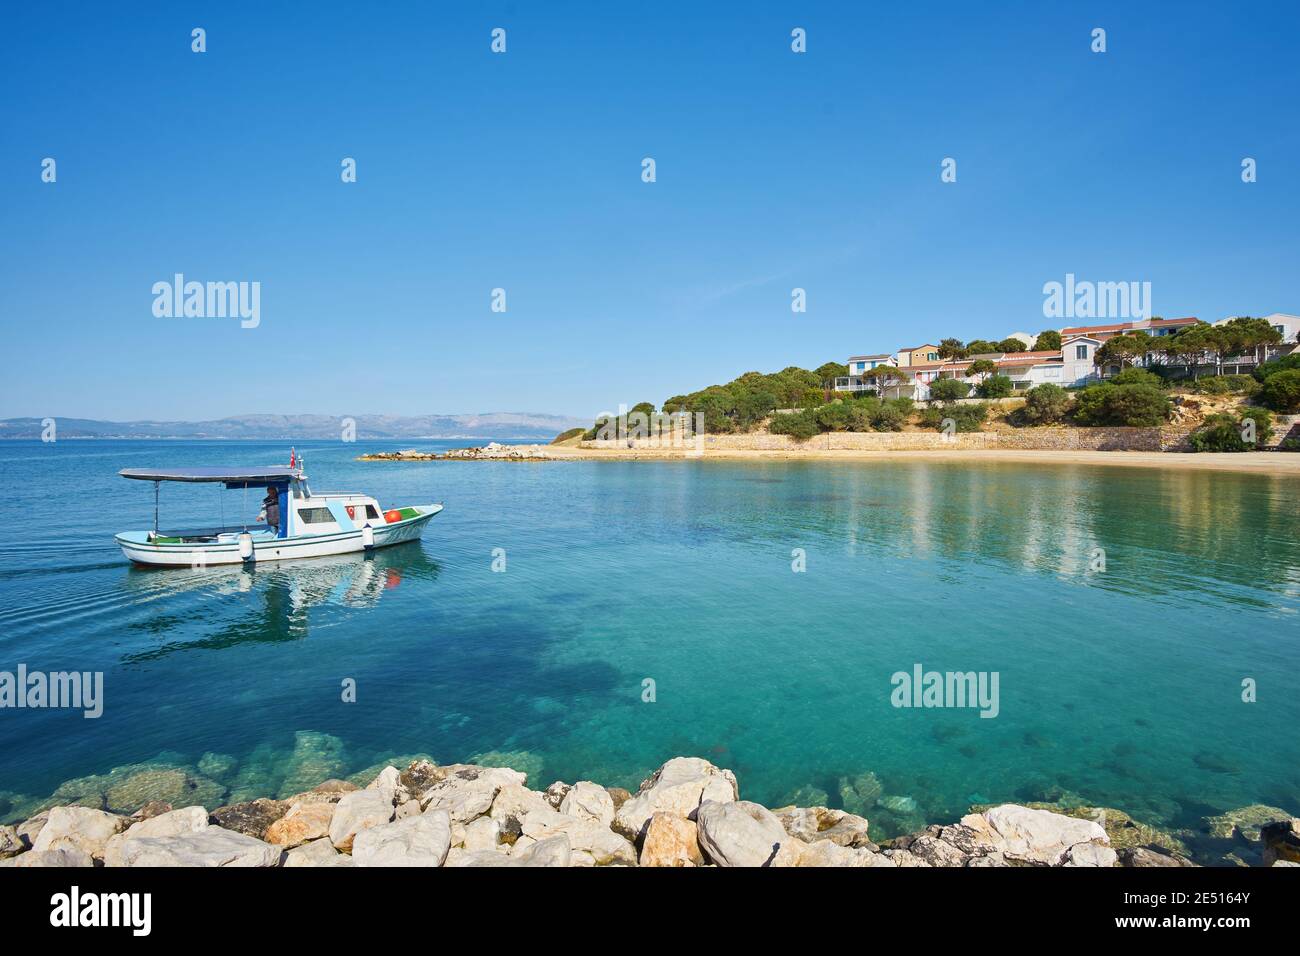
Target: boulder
{"points": [[317, 853], [63, 856], [415, 841], [1033, 836], [811, 824], [829, 853], [553, 851], [619, 796], [466, 791], [388, 779], [172, 823], [514, 802], [251, 818], [1281, 841], [357, 811], [741, 833], [481, 834], [1090, 854], [212, 846], [1142, 856], [79, 827], [590, 844], [304, 822], [671, 840], [679, 787], [588, 801]]}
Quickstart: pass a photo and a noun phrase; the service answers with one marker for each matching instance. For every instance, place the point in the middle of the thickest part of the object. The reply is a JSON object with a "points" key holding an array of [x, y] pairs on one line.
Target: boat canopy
{"points": [[231, 477]]}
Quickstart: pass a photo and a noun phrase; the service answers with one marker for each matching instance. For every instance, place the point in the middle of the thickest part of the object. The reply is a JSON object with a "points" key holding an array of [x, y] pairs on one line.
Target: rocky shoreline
{"points": [[687, 813]]}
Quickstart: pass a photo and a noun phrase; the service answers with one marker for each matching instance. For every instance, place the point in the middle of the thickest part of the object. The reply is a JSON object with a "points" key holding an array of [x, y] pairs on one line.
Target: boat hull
{"points": [[276, 549]]}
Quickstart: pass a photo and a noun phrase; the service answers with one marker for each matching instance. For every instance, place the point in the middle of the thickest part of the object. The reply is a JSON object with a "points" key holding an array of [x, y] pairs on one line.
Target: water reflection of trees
{"points": [[1165, 532]]}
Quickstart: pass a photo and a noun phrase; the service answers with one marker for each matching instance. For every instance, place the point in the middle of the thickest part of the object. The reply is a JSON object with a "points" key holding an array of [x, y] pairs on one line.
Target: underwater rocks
{"points": [[686, 814]]}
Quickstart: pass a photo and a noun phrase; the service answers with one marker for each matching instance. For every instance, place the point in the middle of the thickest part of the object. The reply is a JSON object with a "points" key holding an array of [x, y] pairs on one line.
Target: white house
{"points": [[1288, 325]]}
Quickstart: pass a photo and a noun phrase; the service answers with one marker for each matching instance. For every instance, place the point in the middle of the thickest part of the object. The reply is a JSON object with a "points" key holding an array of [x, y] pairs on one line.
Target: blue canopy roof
{"points": [[237, 477]]}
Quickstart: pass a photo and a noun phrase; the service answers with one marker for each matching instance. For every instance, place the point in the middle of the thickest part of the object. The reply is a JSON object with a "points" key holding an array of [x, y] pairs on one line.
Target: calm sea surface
{"points": [[1122, 687]]}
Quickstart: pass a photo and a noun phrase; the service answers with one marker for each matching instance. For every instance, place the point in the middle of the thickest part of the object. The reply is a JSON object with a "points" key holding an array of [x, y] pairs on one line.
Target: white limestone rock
{"points": [[414, 841], [466, 791], [357, 811], [589, 801], [590, 843], [1033, 836], [81, 828], [172, 823], [63, 856], [210, 847], [679, 787], [741, 833], [316, 853]]}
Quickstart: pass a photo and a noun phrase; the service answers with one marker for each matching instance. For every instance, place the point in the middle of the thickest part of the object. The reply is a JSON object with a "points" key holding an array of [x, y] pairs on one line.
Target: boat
{"points": [[295, 521]]}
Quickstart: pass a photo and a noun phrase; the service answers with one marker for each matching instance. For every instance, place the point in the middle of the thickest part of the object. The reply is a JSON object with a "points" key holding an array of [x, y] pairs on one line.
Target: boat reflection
{"points": [[220, 607]]}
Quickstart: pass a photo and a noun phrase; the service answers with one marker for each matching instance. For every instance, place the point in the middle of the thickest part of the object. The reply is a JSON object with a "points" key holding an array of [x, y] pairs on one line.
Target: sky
{"points": [[522, 171]]}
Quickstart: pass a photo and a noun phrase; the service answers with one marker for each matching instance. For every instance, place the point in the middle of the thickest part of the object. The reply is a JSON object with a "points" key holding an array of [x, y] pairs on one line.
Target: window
{"points": [[1081, 351], [932, 356], [1281, 330], [861, 366], [371, 511], [315, 515]]}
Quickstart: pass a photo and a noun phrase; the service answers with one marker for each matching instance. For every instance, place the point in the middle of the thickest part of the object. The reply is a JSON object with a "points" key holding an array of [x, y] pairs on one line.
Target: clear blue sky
{"points": [[522, 171]]}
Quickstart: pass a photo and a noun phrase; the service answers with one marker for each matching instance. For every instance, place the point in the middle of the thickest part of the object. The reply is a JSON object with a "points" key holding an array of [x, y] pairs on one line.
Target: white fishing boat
{"points": [[294, 522]]}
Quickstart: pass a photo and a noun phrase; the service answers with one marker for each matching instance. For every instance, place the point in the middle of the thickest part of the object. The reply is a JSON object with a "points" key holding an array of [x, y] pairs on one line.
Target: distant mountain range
{"points": [[271, 427]]}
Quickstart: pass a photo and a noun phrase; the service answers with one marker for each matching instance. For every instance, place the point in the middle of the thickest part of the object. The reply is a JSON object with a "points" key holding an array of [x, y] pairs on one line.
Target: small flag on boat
{"points": [[293, 458]]}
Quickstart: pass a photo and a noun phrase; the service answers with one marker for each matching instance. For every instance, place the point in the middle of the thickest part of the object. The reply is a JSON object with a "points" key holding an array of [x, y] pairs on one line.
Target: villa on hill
{"points": [[1072, 365]]}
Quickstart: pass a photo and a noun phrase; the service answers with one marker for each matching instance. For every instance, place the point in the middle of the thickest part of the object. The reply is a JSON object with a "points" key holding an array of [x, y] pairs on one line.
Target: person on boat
{"points": [[271, 507]]}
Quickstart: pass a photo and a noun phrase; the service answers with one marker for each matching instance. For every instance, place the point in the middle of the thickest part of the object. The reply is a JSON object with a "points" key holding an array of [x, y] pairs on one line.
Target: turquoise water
{"points": [[1122, 687]]}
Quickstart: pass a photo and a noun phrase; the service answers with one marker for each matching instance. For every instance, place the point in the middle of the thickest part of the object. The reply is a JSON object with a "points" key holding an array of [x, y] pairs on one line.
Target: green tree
{"points": [[1049, 340], [951, 349], [1110, 404], [981, 347], [1124, 350], [798, 425], [982, 367], [1045, 404], [1011, 345], [1265, 369], [995, 386], [948, 389]]}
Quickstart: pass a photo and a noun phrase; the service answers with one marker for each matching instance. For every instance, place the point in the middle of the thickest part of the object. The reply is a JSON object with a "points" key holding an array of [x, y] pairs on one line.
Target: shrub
{"points": [[1137, 376], [967, 418], [798, 425], [1281, 390], [1223, 432], [948, 389], [1111, 404], [1283, 364], [1044, 404], [833, 417], [996, 386], [1225, 385], [890, 417]]}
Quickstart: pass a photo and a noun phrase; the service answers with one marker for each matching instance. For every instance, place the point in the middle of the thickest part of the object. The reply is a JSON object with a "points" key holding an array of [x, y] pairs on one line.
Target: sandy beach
{"points": [[1264, 463]]}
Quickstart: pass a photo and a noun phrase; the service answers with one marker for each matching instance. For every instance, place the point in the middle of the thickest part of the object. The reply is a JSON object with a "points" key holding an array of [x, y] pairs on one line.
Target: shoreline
{"points": [[1269, 463], [688, 813]]}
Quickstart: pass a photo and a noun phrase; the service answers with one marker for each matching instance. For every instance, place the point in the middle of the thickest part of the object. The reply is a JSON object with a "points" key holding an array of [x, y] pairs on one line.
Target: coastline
{"points": [[1268, 463], [688, 813]]}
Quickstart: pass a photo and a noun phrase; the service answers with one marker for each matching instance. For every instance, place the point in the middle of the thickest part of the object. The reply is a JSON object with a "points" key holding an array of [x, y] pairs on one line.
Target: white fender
{"points": [[368, 537], [245, 546]]}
